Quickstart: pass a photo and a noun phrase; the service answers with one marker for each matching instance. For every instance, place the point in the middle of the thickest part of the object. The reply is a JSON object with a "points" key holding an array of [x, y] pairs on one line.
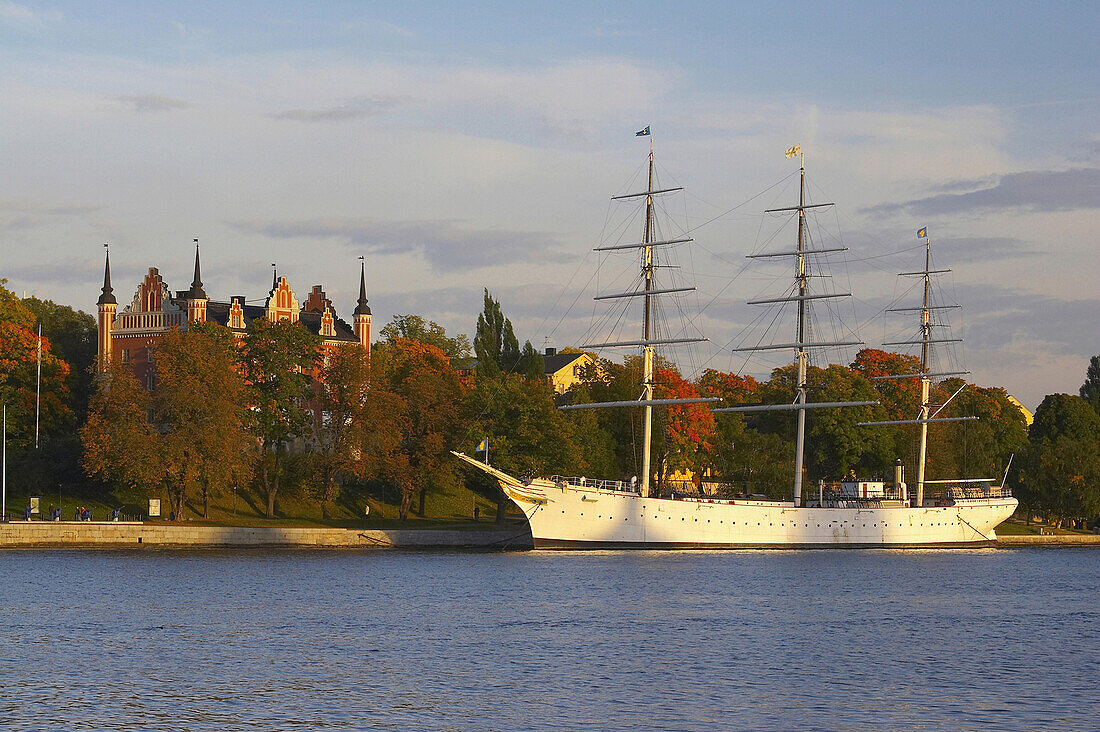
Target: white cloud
{"points": [[453, 177], [15, 12]]}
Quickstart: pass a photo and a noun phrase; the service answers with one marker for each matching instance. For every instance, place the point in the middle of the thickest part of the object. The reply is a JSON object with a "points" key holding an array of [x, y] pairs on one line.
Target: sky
{"points": [[477, 145]]}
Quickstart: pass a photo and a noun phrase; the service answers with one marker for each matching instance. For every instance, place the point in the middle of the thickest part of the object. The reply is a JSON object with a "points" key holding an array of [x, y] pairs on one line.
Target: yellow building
{"points": [[1029, 417], [563, 370]]}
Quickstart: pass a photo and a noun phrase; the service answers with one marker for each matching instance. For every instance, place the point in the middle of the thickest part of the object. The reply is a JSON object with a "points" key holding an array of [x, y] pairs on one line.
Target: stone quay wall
{"points": [[116, 534]]}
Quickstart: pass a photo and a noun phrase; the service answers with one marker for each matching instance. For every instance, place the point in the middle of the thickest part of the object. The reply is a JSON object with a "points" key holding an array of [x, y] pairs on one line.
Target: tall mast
{"points": [[647, 349], [648, 340], [800, 274], [925, 382], [926, 340], [801, 345]]}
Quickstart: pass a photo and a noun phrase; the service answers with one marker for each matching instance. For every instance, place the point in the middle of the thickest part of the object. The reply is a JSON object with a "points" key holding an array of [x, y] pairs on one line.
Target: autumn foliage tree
{"points": [[338, 445], [19, 376], [278, 359], [201, 412], [190, 433], [690, 436], [120, 443], [428, 393]]}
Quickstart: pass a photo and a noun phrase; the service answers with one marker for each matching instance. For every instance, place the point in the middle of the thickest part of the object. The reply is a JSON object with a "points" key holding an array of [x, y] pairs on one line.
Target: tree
{"points": [[835, 443], [201, 412], [414, 327], [757, 462], [532, 364], [19, 377], [428, 392], [120, 443], [982, 447], [1063, 414], [690, 435], [495, 343], [72, 335], [1090, 390], [527, 433], [339, 436], [1060, 471], [278, 359]]}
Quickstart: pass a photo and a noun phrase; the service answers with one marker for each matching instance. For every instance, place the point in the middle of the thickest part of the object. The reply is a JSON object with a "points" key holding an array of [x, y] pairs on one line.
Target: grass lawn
{"points": [[449, 507], [1016, 527]]}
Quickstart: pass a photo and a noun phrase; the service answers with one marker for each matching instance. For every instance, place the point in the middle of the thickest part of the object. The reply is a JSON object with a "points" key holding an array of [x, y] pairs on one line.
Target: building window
{"points": [[125, 355]]}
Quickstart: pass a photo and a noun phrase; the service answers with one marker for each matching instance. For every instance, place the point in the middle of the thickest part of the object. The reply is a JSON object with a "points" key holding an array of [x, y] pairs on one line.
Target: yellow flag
{"points": [[792, 151]]}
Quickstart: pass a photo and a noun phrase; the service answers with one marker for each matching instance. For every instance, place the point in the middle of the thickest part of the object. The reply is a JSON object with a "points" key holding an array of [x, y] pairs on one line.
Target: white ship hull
{"points": [[568, 516], [573, 517]]}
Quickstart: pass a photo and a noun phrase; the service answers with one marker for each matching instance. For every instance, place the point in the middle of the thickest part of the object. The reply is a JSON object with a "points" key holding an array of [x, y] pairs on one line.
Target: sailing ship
{"points": [[581, 512]]}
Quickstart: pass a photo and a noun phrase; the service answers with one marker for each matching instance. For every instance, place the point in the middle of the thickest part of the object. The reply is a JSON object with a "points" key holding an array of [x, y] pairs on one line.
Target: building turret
{"points": [[362, 311], [107, 306], [196, 296]]}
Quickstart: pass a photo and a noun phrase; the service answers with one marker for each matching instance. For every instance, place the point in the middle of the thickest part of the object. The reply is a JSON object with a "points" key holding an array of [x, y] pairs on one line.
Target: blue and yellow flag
{"points": [[642, 133], [483, 446], [922, 232]]}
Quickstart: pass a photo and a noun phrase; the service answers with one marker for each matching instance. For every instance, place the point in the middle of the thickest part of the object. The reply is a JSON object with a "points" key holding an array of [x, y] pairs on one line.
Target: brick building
{"points": [[130, 335]]}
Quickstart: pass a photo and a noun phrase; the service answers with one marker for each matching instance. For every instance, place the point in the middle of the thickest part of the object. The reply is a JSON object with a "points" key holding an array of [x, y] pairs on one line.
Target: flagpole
{"points": [[38, 388], [4, 504]]}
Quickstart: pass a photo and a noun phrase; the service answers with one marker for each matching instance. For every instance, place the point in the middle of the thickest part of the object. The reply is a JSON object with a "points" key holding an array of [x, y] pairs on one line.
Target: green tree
{"points": [[339, 436], [429, 394], [201, 412], [985, 445], [278, 361], [1090, 390], [1060, 471], [527, 433], [495, 344], [73, 336], [1063, 414], [835, 443], [414, 327], [532, 363], [120, 443], [752, 461]]}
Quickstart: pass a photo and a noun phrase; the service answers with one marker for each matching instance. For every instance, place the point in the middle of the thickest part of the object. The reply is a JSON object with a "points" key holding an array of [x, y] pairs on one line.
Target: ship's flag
{"points": [[642, 133], [922, 232], [483, 446], [792, 151]]}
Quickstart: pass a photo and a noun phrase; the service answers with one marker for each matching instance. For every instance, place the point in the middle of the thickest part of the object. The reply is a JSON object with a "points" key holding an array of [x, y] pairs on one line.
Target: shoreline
{"points": [[127, 534]]}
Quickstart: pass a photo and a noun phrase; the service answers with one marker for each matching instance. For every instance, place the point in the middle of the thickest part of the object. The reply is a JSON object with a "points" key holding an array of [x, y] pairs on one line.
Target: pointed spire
{"points": [[197, 293], [362, 308], [108, 294]]}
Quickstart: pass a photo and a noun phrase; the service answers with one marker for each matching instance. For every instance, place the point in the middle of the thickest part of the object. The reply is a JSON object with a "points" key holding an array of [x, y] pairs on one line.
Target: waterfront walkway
{"points": [[162, 534]]}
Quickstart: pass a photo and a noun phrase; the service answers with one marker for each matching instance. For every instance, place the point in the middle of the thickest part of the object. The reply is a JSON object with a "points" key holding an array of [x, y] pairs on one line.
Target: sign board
{"points": [[154, 507], [34, 505]]}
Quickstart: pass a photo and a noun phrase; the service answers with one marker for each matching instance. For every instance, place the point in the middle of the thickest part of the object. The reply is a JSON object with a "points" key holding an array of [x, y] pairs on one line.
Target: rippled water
{"points": [[837, 640]]}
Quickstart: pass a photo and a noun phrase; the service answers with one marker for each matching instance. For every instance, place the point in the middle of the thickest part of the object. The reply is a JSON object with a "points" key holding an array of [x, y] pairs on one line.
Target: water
{"points": [[831, 640]]}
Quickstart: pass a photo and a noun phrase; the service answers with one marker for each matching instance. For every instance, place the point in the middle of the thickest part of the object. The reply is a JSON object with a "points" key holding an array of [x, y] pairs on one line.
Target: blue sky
{"points": [[467, 145]]}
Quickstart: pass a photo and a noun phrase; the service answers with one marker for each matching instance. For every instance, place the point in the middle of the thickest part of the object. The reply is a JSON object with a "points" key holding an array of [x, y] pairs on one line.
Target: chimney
{"points": [[551, 352]]}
